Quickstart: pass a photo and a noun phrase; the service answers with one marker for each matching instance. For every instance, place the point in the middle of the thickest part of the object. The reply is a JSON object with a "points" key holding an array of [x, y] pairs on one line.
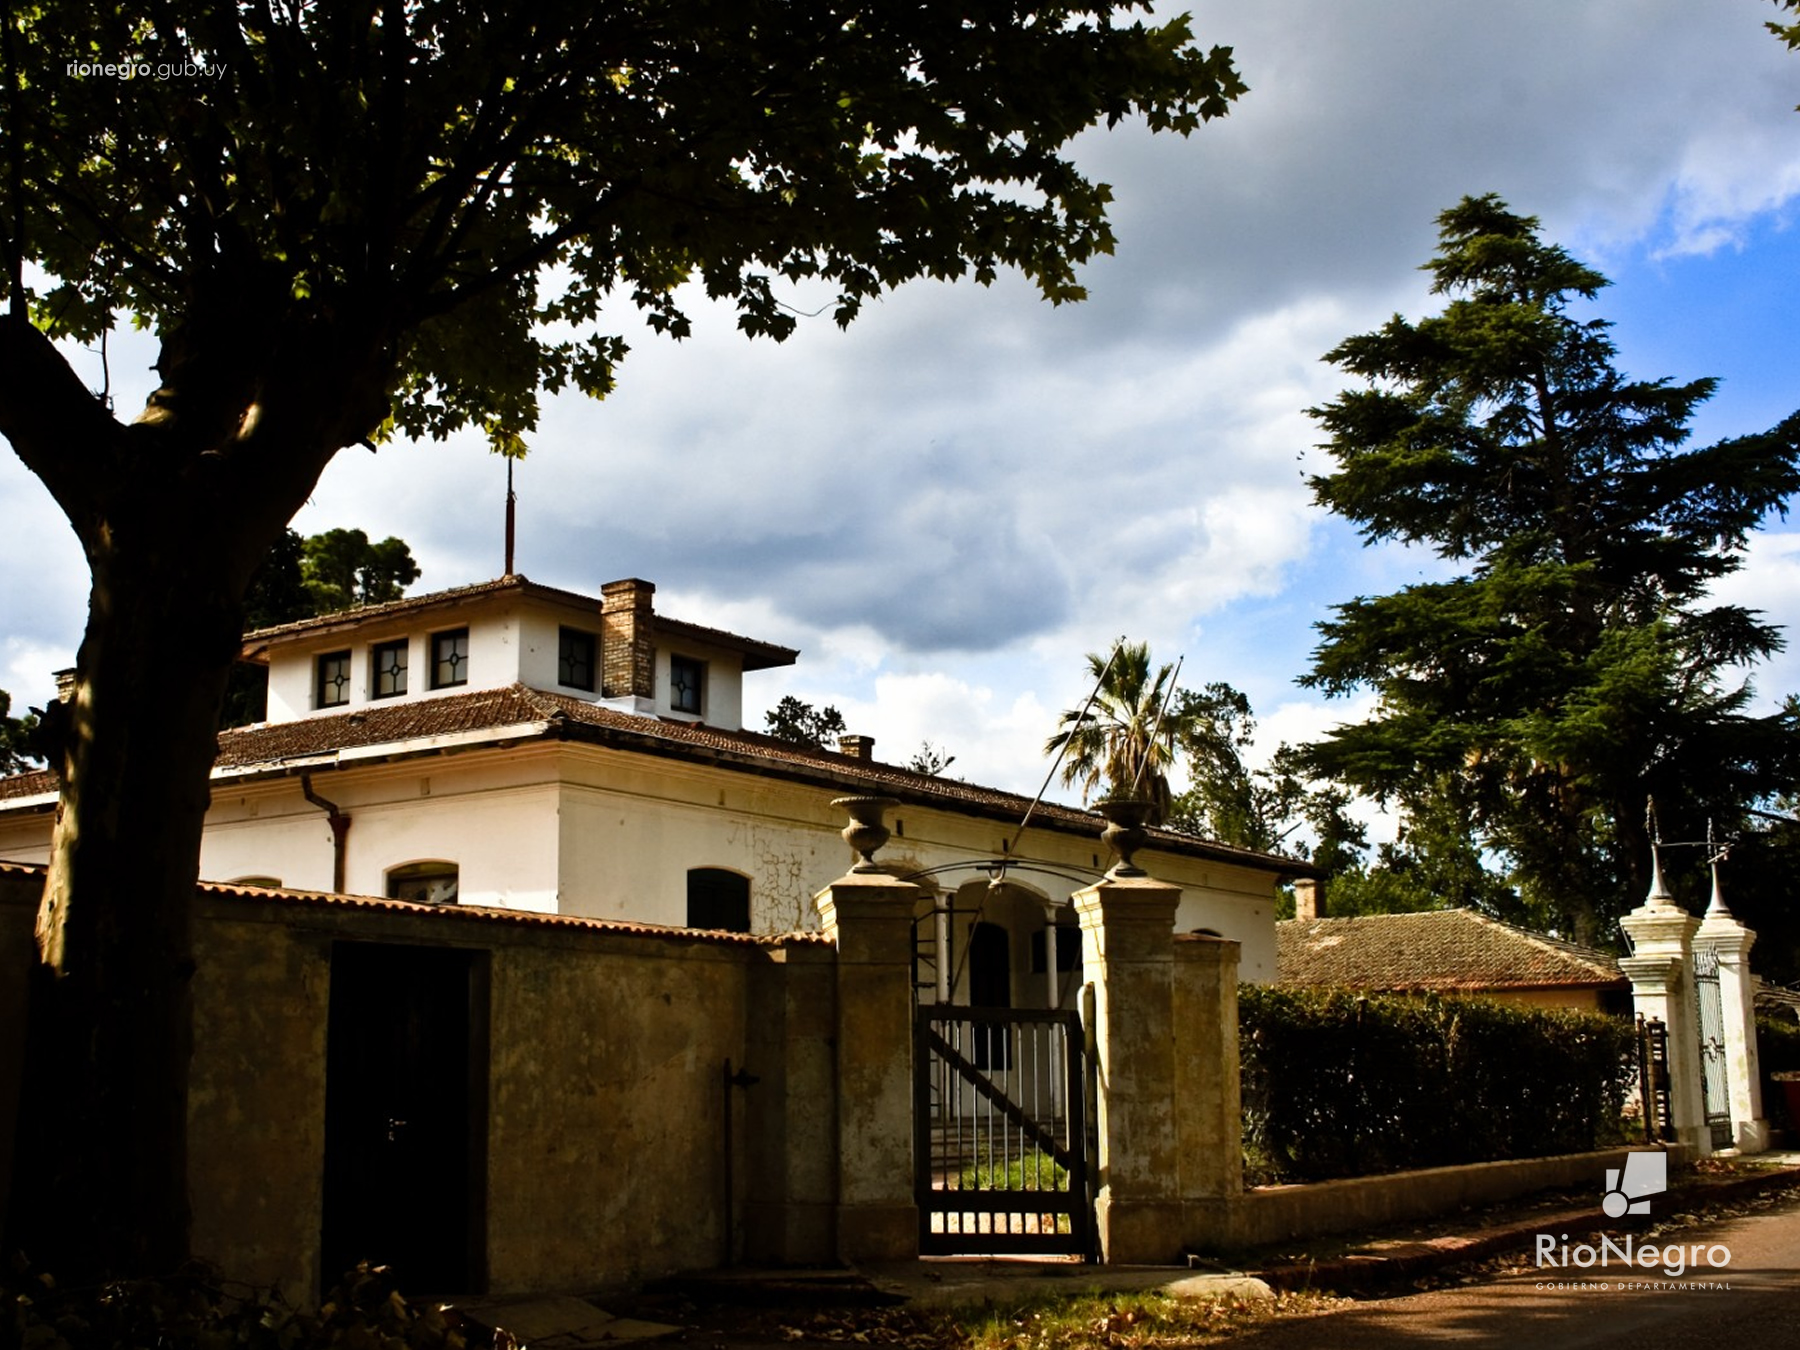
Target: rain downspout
{"points": [[340, 830]]}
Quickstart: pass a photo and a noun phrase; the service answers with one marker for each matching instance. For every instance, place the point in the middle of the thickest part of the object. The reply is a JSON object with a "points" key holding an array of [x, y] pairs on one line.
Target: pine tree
{"points": [[1576, 666]]}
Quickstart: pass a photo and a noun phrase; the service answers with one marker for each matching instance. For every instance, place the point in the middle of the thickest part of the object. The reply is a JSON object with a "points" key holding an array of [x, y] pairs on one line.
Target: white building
{"points": [[522, 747]]}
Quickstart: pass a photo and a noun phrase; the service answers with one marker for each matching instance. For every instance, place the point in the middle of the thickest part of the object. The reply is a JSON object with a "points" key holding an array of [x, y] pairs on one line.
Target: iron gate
{"points": [[1003, 1152], [1712, 1046]]}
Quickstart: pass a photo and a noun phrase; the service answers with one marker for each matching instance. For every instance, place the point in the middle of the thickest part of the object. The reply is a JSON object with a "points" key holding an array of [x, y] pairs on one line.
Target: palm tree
{"points": [[1125, 734]]}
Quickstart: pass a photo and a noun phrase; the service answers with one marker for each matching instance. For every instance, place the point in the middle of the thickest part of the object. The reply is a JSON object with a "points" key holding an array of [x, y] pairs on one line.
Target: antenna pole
{"points": [[510, 500]]}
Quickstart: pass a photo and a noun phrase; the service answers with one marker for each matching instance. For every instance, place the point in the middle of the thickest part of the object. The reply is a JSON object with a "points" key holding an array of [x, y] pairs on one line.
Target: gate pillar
{"points": [[1730, 941], [1209, 1111], [1661, 971], [869, 916], [1128, 954]]}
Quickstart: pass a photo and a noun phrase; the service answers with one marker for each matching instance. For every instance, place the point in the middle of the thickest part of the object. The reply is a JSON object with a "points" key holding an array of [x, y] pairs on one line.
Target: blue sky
{"points": [[947, 505]]}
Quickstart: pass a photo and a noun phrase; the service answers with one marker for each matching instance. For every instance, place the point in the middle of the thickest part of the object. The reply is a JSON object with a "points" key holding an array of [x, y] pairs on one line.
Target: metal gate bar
{"points": [[1004, 1159], [1712, 1046]]}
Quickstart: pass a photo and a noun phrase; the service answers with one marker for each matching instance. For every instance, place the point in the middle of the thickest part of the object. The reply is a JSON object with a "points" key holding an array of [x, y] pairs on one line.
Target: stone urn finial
{"points": [[1124, 833], [865, 833]]}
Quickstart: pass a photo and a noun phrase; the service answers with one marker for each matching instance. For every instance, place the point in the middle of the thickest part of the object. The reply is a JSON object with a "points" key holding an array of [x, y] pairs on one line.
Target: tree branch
{"points": [[55, 424]]}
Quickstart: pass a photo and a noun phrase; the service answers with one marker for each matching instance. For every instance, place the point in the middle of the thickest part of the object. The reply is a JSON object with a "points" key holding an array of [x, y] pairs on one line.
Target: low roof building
{"points": [[1448, 951]]}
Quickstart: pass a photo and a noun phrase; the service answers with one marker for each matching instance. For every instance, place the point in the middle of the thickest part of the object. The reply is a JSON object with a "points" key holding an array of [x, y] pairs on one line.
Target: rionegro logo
{"points": [[1628, 1191]]}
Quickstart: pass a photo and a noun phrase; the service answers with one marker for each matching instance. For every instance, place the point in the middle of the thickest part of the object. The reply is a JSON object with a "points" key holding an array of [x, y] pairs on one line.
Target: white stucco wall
{"points": [[491, 820], [632, 830], [722, 691], [589, 830], [25, 836], [633, 825]]}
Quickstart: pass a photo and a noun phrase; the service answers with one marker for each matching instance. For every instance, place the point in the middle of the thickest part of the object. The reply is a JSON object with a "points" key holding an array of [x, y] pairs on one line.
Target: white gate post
{"points": [[1661, 970], [1731, 942]]}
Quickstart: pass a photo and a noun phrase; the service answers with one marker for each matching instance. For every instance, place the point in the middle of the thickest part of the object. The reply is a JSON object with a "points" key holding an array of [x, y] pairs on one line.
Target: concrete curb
{"points": [[1361, 1271]]}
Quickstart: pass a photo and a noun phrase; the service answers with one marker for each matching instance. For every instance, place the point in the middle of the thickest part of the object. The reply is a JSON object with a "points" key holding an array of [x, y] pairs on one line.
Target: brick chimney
{"points": [[627, 640], [1309, 899], [65, 685], [857, 747]]}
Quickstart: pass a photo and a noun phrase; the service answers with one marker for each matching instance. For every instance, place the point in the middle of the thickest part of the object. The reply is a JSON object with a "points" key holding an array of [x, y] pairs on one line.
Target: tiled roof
{"points": [[1446, 949], [1783, 1003], [411, 604], [32, 783], [759, 655], [517, 918], [383, 723], [277, 746]]}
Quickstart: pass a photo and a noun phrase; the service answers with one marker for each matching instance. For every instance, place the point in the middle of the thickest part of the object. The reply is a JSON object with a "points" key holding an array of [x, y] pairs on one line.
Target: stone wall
{"points": [[604, 1121], [655, 1100], [1277, 1213]]}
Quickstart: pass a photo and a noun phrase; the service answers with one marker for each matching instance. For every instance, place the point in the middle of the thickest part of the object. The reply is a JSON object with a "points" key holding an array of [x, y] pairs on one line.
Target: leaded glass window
{"points": [[449, 658], [388, 663], [334, 680], [687, 684], [575, 659]]}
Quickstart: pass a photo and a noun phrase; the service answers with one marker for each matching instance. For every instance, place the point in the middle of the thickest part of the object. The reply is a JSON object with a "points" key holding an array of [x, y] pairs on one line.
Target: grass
{"points": [[1034, 1172], [1152, 1320]]}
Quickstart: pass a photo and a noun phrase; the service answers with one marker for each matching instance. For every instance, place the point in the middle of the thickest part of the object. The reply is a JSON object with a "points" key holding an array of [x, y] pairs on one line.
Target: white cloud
{"points": [[947, 505], [1770, 582]]}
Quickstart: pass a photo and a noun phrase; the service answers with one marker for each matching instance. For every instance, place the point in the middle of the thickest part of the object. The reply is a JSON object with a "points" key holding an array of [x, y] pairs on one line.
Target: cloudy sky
{"points": [[946, 506]]}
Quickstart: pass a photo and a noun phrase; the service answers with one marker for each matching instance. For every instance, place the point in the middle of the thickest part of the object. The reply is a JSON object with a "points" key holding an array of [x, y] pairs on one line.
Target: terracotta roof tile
{"points": [[409, 604], [31, 783], [1774, 998], [1447, 949], [382, 723]]}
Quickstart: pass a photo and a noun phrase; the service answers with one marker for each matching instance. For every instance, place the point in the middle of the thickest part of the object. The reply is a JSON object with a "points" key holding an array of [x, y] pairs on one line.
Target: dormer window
{"points": [[333, 680], [387, 665], [687, 684], [450, 658], [575, 659]]}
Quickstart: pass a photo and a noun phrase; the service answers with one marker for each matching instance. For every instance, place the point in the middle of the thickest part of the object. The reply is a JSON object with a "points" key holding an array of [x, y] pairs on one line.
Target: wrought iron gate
{"points": [[1712, 1046], [1004, 1157]]}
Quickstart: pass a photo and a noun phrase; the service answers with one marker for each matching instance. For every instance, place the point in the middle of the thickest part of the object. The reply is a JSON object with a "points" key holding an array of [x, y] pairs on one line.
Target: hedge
{"points": [[1338, 1083]]}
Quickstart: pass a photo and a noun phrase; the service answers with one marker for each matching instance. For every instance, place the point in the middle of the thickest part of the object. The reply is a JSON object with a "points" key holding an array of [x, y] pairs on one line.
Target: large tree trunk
{"points": [[103, 1185], [173, 512]]}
